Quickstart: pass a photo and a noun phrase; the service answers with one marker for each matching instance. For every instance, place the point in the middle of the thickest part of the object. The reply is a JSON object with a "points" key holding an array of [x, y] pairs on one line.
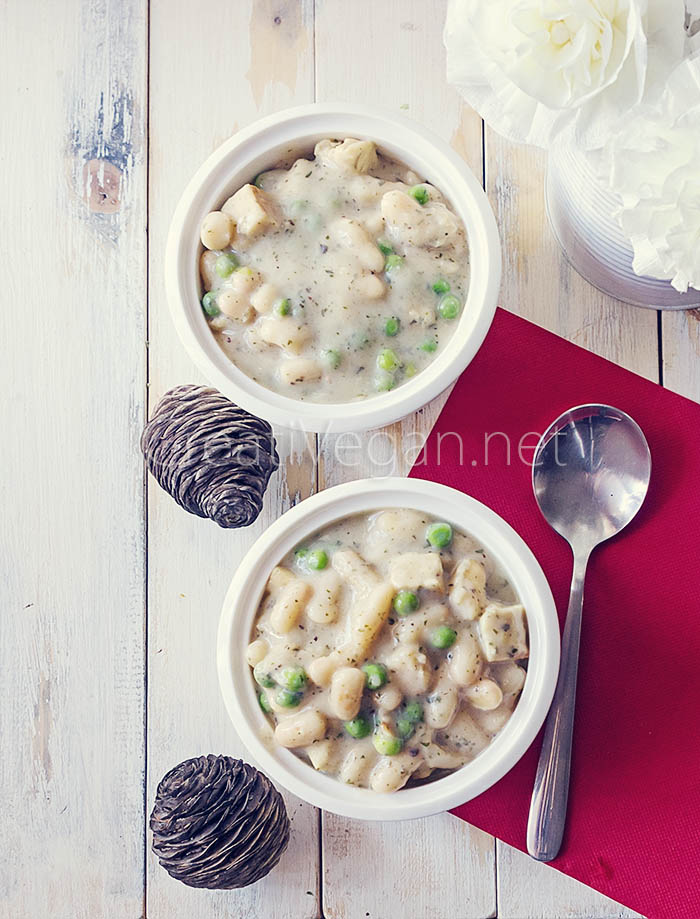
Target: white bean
{"points": [[234, 305], [392, 772], [388, 698], [320, 753], [264, 298], [256, 651], [207, 268], [321, 669], [465, 735], [484, 694], [278, 578], [354, 767], [301, 730], [285, 332], [509, 676], [370, 286], [492, 721], [300, 370], [465, 660], [217, 230], [441, 706]]}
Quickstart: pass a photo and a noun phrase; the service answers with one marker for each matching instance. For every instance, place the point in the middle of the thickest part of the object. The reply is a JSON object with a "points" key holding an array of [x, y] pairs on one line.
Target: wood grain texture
{"points": [[539, 284], [380, 65], [71, 530], [681, 352], [213, 69]]}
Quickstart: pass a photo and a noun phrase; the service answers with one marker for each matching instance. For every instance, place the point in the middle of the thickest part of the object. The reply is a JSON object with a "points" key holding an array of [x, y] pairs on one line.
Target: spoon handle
{"points": [[545, 826]]}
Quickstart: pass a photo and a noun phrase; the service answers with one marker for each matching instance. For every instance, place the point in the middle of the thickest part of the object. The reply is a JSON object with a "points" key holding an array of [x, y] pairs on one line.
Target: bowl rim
{"points": [[240, 606], [238, 159]]}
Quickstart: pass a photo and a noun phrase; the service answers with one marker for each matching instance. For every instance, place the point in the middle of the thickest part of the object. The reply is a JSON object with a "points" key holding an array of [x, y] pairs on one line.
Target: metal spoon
{"points": [[590, 476]]}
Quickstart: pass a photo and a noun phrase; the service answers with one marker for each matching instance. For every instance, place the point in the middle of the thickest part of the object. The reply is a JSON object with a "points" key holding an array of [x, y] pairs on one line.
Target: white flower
{"points": [[533, 68], [653, 164]]}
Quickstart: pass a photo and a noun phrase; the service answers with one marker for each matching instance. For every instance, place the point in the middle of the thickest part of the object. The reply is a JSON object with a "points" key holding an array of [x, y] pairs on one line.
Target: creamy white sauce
{"points": [[341, 246], [451, 664]]}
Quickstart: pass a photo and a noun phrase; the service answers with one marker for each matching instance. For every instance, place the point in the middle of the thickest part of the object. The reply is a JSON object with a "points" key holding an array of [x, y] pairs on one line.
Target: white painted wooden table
{"points": [[111, 593]]}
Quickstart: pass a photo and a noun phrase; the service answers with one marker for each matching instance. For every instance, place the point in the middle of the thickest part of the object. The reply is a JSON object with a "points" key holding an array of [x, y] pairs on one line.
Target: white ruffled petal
{"points": [[536, 68]]}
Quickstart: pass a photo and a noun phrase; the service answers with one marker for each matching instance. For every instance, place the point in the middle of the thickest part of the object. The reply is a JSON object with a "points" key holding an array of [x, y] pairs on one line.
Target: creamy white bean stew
{"points": [[337, 278], [388, 648]]}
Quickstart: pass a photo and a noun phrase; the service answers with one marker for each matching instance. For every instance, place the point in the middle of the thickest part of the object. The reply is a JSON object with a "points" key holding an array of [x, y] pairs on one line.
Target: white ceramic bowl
{"points": [[238, 616], [262, 145]]}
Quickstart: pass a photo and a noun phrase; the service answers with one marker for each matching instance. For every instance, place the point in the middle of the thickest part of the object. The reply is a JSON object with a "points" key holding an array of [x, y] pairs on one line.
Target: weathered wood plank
{"points": [[681, 352], [532, 889], [539, 284], [390, 54], [214, 68], [71, 680]]}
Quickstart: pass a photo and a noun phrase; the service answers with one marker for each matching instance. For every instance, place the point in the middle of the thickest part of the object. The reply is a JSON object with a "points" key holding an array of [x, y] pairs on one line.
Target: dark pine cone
{"points": [[218, 823], [213, 457]]}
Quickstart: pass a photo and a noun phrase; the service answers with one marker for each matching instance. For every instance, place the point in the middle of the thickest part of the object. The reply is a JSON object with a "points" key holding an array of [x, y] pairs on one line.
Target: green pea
{"points": [[386, 743], [301, 553], [209, 304], [441, 286], [226, 264], [258, 180], [388, 360], [449, 307], [283, 307], [406, 602], [410, 369], [384, 382], [391, 326], [264, 703], [375, 676], [385, 247], [439, 535], [288, 699], [331, 357], [442, 637], [263, 677], [420, 193], [393, 262], [358, 728], [404, 728], [413, 712], [317, 560], [428, 345], [293, 678]]}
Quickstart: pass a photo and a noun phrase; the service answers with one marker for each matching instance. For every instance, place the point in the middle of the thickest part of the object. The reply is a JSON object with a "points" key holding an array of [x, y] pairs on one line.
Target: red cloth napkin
{"points": [[634, 806]]}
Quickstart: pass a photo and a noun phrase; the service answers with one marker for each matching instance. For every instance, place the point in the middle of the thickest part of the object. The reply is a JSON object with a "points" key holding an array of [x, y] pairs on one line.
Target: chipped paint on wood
{"points": [[101, 186], [102, 150]]}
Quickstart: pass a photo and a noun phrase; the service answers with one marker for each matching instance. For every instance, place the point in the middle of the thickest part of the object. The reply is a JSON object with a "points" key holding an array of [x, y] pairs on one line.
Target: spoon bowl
{"points": [[590, 476], [591, 473]]}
